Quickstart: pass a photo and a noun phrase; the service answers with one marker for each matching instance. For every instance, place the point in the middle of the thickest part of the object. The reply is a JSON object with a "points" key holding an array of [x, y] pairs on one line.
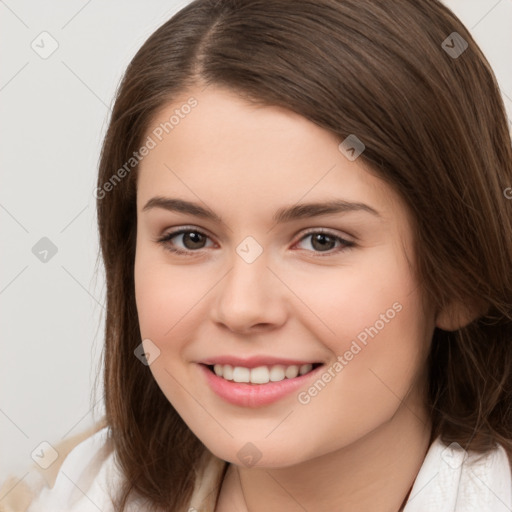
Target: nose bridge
{"points": [[249, 293], [247, 282]]}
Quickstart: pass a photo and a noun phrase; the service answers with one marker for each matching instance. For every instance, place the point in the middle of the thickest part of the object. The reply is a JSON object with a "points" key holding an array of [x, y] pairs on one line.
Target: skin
{"points": [[359, 444]]}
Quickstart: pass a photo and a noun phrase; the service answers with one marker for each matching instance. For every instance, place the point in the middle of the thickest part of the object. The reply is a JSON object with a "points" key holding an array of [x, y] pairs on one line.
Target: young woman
{"points": [[307, 240]]}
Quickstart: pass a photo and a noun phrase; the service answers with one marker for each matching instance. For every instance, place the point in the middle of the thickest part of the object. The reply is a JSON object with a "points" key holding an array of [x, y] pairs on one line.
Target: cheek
{"points": [[370, 317], [163, 296], [166, 301], [343, 301], [376, 362]]}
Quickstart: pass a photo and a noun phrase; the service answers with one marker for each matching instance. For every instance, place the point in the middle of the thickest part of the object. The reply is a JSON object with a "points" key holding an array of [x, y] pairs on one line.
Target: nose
{"points": [[250, 297]]}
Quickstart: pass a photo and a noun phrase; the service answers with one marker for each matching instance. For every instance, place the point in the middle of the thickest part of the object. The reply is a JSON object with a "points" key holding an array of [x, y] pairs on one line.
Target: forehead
{"points": [[212, 144]]}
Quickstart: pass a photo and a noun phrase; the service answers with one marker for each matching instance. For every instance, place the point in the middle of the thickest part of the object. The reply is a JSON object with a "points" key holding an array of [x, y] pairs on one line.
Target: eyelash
{"points": [[165, 242]]}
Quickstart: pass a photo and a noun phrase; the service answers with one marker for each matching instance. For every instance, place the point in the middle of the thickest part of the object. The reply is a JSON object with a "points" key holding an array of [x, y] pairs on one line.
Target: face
{"points": [[312, 286]]}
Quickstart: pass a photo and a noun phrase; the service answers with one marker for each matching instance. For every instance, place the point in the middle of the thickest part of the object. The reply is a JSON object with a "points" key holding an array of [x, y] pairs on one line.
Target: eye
{"points": [[192, 239], [324, 241]]}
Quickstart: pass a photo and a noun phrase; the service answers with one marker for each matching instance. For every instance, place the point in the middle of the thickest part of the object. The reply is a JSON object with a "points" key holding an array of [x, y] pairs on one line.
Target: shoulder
{"points": [[509, 456], [79, 480], [456, 479], [488, 475], [84, 479]]}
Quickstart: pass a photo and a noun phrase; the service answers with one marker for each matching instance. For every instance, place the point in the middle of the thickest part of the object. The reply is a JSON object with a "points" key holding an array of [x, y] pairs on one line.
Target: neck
{"points": [[376, 473]]}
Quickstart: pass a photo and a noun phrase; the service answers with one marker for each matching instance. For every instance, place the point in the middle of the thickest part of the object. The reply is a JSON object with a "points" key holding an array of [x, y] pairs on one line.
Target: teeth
{"points": [[241, 374], [261, 374], [276, 373], [305, 368], [227, 373], [291, 372]]}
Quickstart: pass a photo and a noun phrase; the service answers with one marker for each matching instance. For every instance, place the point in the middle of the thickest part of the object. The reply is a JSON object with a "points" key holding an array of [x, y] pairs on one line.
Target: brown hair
{"points": [[435, 130]]}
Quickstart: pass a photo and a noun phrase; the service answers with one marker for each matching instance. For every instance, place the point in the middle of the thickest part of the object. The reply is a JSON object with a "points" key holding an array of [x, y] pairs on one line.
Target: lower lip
{"points": [[254, 395]]}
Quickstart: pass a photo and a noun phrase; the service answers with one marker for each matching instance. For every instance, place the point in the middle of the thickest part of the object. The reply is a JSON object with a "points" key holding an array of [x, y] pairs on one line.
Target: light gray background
{"points": [[53, 115]]}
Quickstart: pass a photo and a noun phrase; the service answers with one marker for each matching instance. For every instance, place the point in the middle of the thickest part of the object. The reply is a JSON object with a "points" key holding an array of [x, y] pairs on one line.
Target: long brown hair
{"points": [[434, 126]]}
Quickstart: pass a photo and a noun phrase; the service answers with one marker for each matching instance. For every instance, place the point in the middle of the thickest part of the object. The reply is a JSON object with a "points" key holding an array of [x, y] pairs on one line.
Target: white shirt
{"points": [[450, 480]]}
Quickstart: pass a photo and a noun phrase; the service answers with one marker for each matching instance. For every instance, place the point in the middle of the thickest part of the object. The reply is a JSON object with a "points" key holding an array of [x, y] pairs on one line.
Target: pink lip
{"points": [[254, 361], [254, 395]]}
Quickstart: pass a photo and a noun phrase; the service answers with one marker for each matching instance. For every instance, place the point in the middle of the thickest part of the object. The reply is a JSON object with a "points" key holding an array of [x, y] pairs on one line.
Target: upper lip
{"points": [[255, 361]]}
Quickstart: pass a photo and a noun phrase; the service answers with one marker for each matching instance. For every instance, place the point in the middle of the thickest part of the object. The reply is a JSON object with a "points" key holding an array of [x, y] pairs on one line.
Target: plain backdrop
{"points": [[53, 112]]}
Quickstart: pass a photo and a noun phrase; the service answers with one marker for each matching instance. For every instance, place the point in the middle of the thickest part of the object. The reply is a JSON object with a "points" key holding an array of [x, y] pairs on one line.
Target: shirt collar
{"points": [[449, 480]]}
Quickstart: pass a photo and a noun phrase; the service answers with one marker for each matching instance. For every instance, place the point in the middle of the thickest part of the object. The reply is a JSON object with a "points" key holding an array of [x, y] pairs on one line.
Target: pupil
{"points": [[319, 237], [193, 235]]}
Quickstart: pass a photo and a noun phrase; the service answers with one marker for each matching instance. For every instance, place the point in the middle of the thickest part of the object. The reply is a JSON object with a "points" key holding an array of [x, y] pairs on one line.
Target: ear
{"points": [[457, 315]]}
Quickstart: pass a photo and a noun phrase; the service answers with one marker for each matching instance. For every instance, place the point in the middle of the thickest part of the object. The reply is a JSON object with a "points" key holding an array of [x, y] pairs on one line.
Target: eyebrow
{"points": [[285, 214]]}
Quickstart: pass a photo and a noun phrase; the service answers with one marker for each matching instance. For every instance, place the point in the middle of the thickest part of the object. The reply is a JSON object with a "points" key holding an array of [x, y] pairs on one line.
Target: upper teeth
{"points": [[261, 374]]}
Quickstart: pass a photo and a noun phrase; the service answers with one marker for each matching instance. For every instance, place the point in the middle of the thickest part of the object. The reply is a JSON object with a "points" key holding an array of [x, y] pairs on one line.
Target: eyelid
{"points": [[327, 231], [165, 237], [345, 243]]}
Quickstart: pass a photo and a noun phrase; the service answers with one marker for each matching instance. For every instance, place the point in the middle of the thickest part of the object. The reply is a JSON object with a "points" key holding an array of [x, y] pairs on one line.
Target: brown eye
{"points": [[322, 242], [326, 242], [191, 240]]}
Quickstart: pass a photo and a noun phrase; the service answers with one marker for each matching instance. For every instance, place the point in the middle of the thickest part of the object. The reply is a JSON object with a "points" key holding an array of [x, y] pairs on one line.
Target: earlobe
{"points": [[457, 315]]}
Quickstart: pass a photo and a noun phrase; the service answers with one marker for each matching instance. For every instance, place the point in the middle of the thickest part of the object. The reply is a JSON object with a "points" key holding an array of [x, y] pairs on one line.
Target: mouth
{"points": [[258, 386], [261, 375]]}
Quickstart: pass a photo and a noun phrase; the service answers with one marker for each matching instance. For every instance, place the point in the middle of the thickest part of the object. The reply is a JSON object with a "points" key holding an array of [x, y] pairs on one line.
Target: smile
{"points": [[245, 393], [261, 374]]}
